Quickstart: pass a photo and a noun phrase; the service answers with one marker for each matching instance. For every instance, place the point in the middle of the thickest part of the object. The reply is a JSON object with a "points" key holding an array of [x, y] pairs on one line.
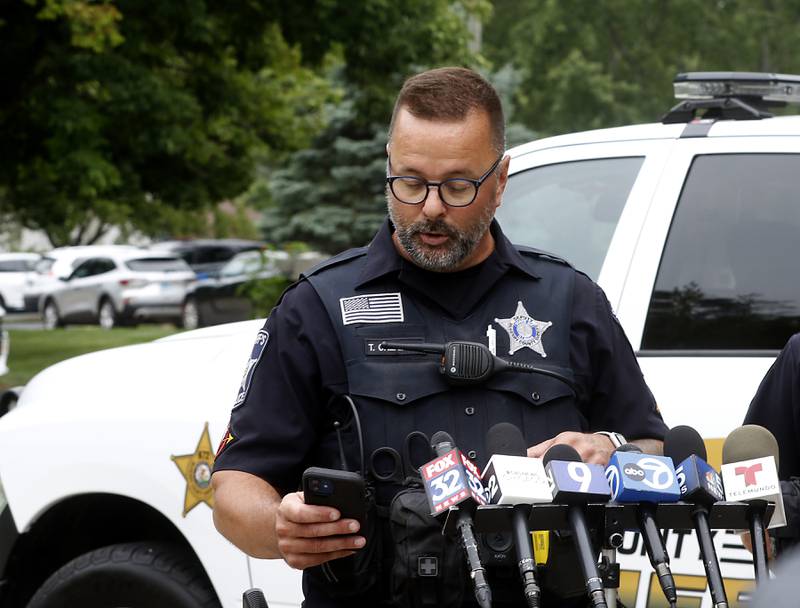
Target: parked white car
{"points": [[58, 264], [118, 286], [691, 229], [4, 344], [16, 273]]}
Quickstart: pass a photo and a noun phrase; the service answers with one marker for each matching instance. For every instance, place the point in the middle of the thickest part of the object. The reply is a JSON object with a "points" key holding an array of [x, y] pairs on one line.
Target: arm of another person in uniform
{"points": [[593, 448], [251, 514]]}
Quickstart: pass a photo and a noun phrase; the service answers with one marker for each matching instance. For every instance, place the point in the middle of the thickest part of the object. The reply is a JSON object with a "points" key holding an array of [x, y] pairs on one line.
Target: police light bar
{"points": [[710, 85]]}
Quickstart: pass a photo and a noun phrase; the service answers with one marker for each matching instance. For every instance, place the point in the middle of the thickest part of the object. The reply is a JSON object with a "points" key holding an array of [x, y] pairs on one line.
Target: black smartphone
{"points": [[343, 490]]}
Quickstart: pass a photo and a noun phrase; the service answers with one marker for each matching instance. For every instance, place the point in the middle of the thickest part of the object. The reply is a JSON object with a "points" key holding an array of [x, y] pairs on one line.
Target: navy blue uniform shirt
{"points": [[296, 368]]}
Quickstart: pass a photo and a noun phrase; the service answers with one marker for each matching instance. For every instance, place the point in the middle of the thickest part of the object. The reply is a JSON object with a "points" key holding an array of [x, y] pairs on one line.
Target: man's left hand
{"points": [[594, 449]]}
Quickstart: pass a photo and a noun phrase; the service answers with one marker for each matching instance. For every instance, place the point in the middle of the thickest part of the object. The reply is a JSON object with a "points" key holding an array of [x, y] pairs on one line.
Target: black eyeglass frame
{"points": [[477, 183]]}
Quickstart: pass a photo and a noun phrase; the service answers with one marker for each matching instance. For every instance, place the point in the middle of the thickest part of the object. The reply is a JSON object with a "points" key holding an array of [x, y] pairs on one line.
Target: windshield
{"points": [[569, 209]]}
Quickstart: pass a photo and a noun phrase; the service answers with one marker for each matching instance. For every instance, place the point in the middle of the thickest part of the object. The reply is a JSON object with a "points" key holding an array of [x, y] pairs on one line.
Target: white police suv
{"points": [[690, 225]]}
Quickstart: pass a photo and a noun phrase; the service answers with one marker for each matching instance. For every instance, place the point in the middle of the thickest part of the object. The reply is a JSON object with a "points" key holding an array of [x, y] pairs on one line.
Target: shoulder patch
{"points": [[255, 356], [227, 439]]}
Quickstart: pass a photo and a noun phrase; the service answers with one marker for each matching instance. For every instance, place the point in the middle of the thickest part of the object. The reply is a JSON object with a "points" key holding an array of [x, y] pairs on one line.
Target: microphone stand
{"points": [[483, 593], [608, 552], [709, 553], [758, 539], [609, 557]]}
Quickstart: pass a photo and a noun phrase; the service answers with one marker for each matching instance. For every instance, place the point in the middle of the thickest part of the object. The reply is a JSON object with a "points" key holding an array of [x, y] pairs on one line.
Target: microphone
{"points": [[452, 479], [254, 598], [514, 479], [750, 474], [700, 485], [646, 480], [576, 483]]}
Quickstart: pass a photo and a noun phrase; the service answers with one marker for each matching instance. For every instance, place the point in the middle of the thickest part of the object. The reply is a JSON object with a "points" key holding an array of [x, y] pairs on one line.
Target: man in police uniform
{"points": [[439, 269], [776, 407]]}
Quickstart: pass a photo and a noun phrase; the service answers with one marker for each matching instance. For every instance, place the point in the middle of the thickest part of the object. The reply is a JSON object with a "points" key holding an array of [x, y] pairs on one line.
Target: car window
{"points": [[157, 265], [211, 255], [16, 265], [729, 276], [103, 265], [248, 263], [86, 269], [570, 209]]}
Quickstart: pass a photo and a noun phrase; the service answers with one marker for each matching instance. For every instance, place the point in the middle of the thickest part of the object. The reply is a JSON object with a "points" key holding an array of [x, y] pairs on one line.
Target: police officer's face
{"points": [[433, 235]]}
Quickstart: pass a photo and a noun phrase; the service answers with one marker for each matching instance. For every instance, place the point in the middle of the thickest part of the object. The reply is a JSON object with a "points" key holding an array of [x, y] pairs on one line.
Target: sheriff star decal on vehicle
{"points": [[196, 470], [524, 331]]}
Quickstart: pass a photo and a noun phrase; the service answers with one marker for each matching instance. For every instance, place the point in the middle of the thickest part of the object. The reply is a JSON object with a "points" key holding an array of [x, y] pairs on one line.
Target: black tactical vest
{"points": [[396, 394]]}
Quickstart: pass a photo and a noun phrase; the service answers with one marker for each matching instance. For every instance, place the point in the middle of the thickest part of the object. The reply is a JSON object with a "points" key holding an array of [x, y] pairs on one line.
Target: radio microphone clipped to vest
{"points": [[470, 363]]}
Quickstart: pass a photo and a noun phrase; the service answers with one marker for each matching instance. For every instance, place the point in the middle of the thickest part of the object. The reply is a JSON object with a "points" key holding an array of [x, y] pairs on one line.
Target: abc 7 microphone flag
{"points": [[451, 479], [635, 477]]}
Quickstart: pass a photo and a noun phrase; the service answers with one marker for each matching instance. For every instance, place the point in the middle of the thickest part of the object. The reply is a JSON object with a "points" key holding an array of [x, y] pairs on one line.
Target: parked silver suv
{"points": [[119, 286]]}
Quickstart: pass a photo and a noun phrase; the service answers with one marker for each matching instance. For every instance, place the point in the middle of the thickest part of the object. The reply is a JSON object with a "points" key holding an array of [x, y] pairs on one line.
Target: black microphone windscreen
{"points": [[505, 438], [629, 447], [681, 442], [561, 451], [440, 437], [748, 442], [254, 598]]}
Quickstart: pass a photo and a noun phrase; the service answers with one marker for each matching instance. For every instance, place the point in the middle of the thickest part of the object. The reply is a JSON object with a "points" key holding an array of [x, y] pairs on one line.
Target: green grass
{"points": [[33, 350]]}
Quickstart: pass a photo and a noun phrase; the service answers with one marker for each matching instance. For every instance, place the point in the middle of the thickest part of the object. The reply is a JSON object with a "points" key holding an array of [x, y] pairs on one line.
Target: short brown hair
{"points": [[449, 94]]}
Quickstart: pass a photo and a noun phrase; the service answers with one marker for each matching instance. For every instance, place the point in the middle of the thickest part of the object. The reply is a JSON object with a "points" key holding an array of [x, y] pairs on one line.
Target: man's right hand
{"points": [[310, 535]]}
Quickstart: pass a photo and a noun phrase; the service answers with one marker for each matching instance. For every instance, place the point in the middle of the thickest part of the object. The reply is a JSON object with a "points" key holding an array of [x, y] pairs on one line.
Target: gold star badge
{"points": [[196, 470]]}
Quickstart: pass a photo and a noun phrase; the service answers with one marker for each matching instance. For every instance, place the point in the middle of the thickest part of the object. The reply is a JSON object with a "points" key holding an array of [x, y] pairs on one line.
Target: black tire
{"points": [[51, 318], [133, 575], [107, 316], [191, 317]]}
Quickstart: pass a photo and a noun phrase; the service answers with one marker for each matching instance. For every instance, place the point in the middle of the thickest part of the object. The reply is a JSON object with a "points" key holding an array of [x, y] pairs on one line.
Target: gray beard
{"points": [[445, 258]]}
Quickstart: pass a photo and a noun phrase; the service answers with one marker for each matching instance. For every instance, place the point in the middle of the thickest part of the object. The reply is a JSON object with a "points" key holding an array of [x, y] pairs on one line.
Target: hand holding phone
{"points": [[342, 490]]}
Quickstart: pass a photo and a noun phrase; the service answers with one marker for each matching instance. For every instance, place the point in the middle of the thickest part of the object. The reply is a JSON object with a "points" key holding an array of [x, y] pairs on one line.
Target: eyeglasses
{"points": [[454, 192]]}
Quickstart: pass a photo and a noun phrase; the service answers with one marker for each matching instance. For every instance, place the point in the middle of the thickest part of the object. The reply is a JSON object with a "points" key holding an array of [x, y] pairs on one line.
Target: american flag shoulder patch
{"points": [[372, 308]]}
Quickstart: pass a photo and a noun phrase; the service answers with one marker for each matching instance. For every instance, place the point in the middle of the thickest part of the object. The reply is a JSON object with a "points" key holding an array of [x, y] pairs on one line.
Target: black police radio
{"points": [[471, 363]]}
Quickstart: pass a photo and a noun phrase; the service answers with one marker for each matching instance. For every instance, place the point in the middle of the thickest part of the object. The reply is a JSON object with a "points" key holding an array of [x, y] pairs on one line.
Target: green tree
{"points": [[135, 113], [611, 62], [331, 195]]}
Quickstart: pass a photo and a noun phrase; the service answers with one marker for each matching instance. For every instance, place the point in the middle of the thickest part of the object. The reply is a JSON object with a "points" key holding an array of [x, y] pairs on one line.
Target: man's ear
{"points": [[502, 180]]}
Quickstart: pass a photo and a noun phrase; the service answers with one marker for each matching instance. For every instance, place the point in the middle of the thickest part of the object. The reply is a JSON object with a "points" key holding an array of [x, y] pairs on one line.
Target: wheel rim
{"points": [[106, 316], [191, 318], [50, 316]]}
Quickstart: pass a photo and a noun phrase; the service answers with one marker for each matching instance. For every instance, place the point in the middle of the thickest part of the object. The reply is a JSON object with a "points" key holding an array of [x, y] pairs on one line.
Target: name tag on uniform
{"points": [[373, 348]]}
